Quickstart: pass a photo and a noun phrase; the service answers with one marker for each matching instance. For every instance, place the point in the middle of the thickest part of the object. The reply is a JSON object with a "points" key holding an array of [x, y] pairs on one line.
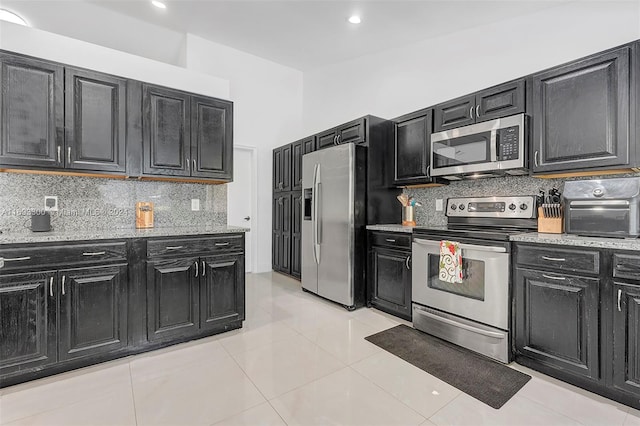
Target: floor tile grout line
{"points": [[133, 396], [555, 411]]}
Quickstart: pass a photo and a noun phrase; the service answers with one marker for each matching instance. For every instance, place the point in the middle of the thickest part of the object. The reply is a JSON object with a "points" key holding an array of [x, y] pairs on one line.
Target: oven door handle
{"points": [[463, 326], [431, 243]]}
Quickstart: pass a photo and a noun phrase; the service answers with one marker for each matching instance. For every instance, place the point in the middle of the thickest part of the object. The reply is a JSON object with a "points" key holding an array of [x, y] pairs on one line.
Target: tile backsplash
{"points": [[86, 203], [510, 185]]}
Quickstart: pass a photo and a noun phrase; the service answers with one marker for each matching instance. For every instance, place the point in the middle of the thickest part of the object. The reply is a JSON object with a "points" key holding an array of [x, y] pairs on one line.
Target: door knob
{"points": [[247, 218]]}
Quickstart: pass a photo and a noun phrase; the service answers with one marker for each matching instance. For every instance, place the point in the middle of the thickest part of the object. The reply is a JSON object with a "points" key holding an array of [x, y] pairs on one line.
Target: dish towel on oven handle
{"points": [[450, 262]]}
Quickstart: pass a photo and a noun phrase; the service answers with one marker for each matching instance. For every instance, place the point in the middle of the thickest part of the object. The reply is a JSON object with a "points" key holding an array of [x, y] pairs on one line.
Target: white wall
{"points": [[267, 113], [402, 80], [43, 44]]}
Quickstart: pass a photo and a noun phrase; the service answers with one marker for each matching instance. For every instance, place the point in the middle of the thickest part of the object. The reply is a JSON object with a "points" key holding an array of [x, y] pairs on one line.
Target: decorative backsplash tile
{"points": [[96, 203], [510, 185]]}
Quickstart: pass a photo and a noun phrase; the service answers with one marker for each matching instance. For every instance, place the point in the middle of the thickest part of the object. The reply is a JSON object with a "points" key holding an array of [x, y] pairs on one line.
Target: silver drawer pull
{"points": [[407, 262], [17, 259], [390, 240], [619, 296], [51, 286], [94, 253], [553, 259], [221, 244], [64, 278], [554, 278], [204, 271], [196, 268], [174, 247]]}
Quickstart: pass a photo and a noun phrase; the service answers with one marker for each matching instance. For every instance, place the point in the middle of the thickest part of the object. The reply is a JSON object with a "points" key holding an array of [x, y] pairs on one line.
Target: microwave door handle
{"points": [[493, 145]]}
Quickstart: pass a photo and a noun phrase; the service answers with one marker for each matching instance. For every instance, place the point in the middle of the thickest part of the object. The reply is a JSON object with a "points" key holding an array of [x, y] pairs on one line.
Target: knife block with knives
{"points": [[550, 213]]}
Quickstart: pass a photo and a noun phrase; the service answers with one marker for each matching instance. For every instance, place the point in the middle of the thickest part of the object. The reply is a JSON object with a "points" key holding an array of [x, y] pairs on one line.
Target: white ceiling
{"points": [[303, 34]]}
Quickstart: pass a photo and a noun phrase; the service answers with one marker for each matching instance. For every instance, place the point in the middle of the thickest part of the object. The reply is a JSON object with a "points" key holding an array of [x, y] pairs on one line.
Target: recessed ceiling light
{"points": [[355, 19], [5, 15], [158, 4]]}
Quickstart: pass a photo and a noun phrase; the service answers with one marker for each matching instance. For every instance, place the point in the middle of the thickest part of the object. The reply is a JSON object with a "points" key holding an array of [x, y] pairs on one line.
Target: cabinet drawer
{"points": [[626, 266], [222, 243], [38, 257], [390, 239], [586, 261]]}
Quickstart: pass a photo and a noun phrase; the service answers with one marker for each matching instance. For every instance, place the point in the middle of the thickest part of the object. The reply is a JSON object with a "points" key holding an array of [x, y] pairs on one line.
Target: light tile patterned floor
{"points": [[299, 360]]}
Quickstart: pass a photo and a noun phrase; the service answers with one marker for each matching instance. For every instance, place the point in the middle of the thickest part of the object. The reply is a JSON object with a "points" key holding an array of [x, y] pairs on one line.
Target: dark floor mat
{"points": [[485, 380]]}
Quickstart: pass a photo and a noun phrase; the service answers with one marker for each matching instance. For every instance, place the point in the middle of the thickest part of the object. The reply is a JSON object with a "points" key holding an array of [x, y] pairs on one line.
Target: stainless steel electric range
{"points": [[474, 313]]}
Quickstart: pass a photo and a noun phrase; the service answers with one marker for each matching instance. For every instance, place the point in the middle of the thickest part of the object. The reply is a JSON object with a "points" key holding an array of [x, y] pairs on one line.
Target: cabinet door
{"points": [[297, 150], [328, 138], [581, 114], [277, 170], [221, 290], [95, 121], [27, 321], [500, 101], [276, 226], [286, 167], [296, 235], [166, 134], [212, 138], [172, 299], [31, 104], [352, 132], [626, 337], [557, 321], [391, 281], [456, 113], [308, 145], [412, 140], [286, 234], [93, 311]]}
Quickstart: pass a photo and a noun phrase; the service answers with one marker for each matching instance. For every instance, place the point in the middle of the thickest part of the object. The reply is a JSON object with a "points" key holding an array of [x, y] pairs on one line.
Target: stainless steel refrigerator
{"points": [[333, 225]]}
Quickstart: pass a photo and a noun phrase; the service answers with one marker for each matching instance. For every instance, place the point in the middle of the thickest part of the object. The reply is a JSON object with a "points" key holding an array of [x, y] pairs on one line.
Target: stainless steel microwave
{"points": [[490, 148]]}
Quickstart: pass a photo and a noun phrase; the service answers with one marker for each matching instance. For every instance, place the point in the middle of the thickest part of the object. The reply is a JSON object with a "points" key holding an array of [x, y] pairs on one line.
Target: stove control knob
{"points": [[461, 206], [512, 206], [523, 206], [453, 207]]}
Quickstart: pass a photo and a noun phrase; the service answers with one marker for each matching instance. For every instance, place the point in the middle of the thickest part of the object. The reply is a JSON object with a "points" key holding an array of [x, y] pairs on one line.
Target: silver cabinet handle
{"points": [[428, 171], [194, 163], [554, 278], [390, 240], [64, 278], [477, 111], [69, 155], [535, 158], [94, 253], [619, 296], [59, 154], [17, 259], [196, 268], [338, 139], [407, 262], [221, 244], [335, 140], [51, 286], [174, 247], [204, 270], [553, 259], [471, 112]]}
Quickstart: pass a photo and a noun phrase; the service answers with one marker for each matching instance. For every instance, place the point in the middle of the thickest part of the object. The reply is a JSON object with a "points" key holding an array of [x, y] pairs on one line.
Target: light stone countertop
{"points": [[391, 228], [123, 233], [577, 240]]}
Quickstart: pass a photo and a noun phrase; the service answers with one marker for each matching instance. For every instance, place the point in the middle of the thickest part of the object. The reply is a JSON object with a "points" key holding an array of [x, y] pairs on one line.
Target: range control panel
{"points": [[519, 207]]}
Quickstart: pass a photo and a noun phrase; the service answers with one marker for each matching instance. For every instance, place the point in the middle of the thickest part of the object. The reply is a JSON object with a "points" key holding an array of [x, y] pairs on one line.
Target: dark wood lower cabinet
{"points": [[28, 321], [93, 311], [221, 290], [390, 280], [626, 337], [172, 298], [557, 320]]}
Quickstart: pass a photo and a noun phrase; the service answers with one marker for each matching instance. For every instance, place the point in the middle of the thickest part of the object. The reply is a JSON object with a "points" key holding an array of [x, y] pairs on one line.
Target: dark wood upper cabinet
{"points": [[296, 165], [93, 311], [494, 102], [31, 105], [581, 115], [411, 147], [166, 132], [308, 145], [27, 321], [282, 168], [277, 169], [95, 121], [212, 138], [352, 132], [328, 138]]}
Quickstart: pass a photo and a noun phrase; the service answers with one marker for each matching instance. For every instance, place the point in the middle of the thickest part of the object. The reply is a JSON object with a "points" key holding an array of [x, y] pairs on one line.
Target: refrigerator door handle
{"points": [[316, 209]]}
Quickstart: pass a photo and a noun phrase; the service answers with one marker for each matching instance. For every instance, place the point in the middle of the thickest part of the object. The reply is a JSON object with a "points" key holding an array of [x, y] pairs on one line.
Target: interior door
{"points": [[241, 198]]}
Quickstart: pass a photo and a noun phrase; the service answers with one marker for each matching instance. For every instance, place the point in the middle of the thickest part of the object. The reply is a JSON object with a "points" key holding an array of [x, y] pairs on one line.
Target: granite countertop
{"points": [[577, 240], [391, 228], [122, 233]]}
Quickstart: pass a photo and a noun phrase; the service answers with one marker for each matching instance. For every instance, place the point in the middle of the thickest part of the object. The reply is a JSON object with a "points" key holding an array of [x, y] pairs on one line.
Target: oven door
{"points": [[483, 295]]}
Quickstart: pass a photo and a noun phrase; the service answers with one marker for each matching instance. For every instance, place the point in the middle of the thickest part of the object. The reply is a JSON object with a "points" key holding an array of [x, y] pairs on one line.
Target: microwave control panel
{"points": [[508, 143]]}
